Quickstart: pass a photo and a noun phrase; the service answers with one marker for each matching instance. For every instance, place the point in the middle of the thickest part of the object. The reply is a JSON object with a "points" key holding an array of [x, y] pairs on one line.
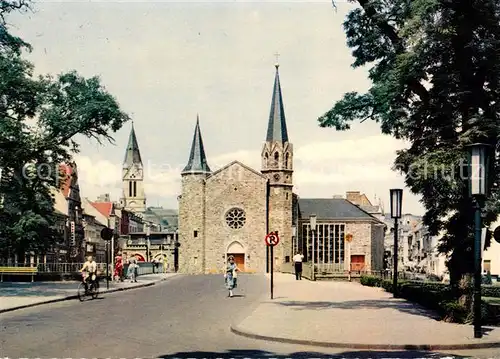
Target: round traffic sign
{"points": [[496, 234], [272, 239]]}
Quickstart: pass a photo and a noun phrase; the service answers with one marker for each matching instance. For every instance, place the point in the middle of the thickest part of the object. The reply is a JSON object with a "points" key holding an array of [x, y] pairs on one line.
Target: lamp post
{"points": [[478, 169], [312, 223], [148, 233], [396, 203]]}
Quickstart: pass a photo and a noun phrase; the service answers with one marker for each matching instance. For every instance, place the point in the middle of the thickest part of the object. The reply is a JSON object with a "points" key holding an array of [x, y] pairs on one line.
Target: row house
{"points": [[95, 221]]}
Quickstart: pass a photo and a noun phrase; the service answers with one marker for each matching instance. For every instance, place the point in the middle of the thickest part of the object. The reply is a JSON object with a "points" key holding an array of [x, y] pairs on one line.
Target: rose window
{"points": [[235, 218]]}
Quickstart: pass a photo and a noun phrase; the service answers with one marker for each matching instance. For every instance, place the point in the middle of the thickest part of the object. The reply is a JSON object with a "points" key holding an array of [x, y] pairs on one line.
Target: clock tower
{"points": [[277, 166], [134, 198]]}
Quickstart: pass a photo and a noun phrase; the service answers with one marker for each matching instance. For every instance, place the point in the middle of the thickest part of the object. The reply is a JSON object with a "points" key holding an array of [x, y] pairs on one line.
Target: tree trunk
{"points": [[466, 295]]}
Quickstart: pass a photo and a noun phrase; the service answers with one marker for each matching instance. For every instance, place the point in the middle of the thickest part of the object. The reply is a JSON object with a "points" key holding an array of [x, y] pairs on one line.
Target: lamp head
{"points": [[396, 195], [478, 166]]}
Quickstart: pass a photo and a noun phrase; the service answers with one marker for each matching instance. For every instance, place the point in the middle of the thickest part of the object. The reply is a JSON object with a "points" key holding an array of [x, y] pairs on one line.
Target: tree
{"points": [[39, 119], [435, 83]]}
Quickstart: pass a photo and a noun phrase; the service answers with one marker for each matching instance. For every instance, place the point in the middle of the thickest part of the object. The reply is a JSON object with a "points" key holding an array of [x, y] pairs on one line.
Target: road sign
{"points": [[272, 239], [106, 233], [496, 234], [348, 237]]}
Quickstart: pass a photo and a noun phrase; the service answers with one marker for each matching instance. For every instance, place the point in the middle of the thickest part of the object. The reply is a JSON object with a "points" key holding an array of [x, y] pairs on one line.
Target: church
{"points": [[229, 211]]}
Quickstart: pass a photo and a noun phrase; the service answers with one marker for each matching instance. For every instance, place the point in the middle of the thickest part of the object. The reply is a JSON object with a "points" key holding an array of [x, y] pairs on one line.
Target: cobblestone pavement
{"points": [[357, 316], [185, 316], [18, 294]]}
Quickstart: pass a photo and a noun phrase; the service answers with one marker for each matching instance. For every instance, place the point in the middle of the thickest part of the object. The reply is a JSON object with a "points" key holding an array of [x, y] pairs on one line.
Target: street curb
{"points": [[427, 347], [70, 297]]}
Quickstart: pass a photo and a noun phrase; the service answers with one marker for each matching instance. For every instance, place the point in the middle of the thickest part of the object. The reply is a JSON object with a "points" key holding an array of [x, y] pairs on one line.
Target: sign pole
{"points": [[107, 265], [272, 271], [271, 240]]}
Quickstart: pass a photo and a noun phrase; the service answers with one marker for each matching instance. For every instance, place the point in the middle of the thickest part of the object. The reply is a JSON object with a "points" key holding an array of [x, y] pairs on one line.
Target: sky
{"points": [[165, 62]]}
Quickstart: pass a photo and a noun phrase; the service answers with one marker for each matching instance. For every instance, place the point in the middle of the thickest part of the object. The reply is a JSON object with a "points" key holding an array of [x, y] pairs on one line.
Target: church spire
{"points": [[197, 159], [132, 155], [276, 128]]}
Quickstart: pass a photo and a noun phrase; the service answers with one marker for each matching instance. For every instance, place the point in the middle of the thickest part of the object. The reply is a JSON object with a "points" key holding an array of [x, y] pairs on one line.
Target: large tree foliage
{"points": [[435, 83], [39, 119]]}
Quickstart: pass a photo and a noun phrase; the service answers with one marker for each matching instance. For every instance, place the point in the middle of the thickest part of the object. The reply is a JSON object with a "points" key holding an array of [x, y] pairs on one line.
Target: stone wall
{"points": [[361, 242], [236, 187], [191, 219]]}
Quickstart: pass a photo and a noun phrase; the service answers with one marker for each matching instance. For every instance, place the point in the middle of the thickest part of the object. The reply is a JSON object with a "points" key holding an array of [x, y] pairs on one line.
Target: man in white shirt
{"points": [[90, 271], [297, 260]]}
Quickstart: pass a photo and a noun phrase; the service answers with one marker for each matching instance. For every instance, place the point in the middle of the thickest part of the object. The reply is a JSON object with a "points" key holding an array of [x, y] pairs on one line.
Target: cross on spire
{"points": [[277, 58]]}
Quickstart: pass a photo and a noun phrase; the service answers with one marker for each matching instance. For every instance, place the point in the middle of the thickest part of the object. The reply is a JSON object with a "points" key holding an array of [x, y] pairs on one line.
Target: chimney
{"points": [[354, 197], [338, 196]]}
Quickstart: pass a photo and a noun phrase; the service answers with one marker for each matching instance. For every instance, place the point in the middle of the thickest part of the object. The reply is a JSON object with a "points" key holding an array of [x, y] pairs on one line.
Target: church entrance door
{"points": [[239, 259]]}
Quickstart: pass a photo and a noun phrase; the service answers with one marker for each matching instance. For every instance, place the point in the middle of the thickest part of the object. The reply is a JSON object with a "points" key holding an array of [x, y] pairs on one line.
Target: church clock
{"points": [[276, 177]]}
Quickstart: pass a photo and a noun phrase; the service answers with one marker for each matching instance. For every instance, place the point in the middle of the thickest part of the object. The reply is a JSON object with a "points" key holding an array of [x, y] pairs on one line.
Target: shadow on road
{"points": [[405, 307], [345, 354]]}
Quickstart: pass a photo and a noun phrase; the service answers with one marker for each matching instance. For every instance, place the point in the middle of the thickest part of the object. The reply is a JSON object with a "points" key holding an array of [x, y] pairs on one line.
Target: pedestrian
{"points": [[297, 260], [230, 276]]}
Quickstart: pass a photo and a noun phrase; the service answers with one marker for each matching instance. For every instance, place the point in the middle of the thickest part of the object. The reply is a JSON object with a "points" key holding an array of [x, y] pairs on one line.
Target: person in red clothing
{"points": [[118, 273]]}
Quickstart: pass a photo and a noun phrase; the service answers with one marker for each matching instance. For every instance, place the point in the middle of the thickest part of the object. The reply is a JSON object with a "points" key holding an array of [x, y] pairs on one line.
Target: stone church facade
{"points": [[230, 211]]}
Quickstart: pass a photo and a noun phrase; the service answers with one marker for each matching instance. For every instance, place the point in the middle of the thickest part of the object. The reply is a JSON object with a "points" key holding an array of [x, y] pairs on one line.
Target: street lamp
{"points": [[478, 188], [312, 223], [396, 203]]}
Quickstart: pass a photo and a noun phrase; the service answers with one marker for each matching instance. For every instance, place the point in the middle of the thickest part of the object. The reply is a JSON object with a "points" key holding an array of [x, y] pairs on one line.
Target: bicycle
{"points": [[92, 291]]}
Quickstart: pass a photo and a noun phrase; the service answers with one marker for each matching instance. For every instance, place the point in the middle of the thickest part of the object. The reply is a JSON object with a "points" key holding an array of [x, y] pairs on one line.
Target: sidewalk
{"points": [[349, 315], [17, 295]]}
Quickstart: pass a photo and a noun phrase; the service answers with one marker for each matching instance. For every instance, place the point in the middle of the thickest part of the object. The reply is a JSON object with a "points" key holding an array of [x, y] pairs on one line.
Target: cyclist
{"points": [[89, 271]]}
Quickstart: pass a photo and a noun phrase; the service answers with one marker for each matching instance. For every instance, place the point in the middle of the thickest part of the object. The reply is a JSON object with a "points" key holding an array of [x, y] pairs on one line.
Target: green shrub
{"points": [[370, 281], [490, 291], [454, 312]]}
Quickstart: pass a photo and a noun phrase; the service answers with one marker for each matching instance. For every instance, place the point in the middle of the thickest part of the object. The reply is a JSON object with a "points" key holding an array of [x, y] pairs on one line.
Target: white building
{"points": [[491, 256]]}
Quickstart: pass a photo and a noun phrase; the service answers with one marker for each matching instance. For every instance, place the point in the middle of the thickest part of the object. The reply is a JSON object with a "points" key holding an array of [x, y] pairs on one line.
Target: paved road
{"points": [[185, 316]]}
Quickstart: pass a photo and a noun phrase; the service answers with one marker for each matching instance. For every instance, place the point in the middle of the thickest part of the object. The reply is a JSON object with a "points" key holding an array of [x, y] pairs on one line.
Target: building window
{"points": [[135, 189], [287, 157], [276, 159], [487, 266], [329, 244], [195, 234], [130, 189], [235, 218], [266, 160]]}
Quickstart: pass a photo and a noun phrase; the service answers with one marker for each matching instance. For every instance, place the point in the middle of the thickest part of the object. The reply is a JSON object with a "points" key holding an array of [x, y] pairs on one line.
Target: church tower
{"points": [[134, 198], [277, 166], [192, 208]]}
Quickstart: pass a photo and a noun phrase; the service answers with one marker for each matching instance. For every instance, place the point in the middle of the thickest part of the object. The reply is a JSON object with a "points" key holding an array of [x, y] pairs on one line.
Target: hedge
{"points": [[436, 296]]}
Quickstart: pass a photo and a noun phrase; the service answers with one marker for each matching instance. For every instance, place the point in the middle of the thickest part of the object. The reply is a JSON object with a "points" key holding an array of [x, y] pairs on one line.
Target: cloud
{"points": [[362, 149], [320, 170]]}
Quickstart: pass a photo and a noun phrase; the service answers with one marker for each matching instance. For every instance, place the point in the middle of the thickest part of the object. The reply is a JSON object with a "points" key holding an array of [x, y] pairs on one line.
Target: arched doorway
{"points": [[139, 257], [237, 250]]}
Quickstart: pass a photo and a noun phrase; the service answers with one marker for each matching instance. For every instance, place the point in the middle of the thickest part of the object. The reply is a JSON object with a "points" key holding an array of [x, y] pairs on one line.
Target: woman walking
{"points": [[230, 275]]}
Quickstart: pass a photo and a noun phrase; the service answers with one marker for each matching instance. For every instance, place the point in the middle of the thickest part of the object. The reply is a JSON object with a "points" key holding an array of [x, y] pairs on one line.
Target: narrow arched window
{"points": [[276, 159], [266, 160], [287, 158]]}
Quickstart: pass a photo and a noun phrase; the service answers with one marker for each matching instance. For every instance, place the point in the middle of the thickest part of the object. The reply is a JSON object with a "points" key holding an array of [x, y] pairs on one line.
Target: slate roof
{"points": [[167, 218], [197, 162], [132, 155], [276, 128], [331, 208]]}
